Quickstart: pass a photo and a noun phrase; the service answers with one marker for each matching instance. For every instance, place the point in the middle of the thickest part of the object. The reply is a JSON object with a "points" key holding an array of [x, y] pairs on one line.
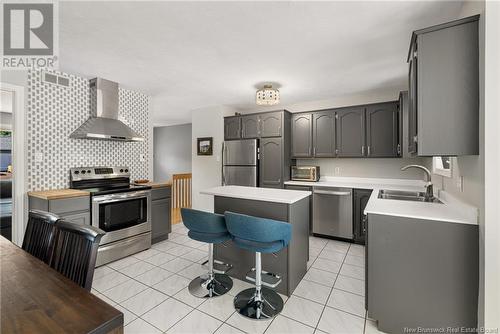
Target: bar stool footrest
{"points": [[268, 279], [219, 266]]}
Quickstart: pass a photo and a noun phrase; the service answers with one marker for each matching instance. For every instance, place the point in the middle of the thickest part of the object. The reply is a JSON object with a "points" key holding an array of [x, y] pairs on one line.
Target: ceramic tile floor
{"points": [[150, 288]]}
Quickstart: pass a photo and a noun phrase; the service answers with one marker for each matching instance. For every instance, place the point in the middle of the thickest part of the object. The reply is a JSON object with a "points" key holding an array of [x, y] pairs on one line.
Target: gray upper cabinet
{"points": [[444, 88], [302, 135], [382, 130], [351, 132], [412, 103], [250, 126], [270, 124], [232, 127], [324, 134], [271, 163], [403, 120]]}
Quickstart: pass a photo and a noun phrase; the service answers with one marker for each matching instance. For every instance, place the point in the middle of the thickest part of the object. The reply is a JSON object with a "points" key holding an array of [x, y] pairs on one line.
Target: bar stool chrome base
{"points": [[268, 305], [205, 287]]}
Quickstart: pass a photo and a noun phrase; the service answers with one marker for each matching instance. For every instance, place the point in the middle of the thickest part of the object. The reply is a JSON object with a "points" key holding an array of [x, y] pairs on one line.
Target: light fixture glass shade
{"points": [[267, 96]]}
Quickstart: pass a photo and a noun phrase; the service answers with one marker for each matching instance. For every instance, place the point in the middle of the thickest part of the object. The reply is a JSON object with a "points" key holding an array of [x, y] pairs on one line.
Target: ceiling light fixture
{"points": [[267, 96]]}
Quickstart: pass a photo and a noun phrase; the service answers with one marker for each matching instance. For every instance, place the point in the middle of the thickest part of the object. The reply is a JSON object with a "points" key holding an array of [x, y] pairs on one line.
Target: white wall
{"points": [[492, 166], [172, 151], [206, 170]]}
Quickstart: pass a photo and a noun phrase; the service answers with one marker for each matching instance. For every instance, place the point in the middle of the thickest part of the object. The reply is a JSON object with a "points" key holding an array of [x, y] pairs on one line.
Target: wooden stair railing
{"points": [[181, 195]]}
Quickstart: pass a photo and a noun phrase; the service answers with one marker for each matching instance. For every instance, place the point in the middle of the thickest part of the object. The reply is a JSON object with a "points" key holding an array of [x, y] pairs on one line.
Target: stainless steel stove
{"points": [[121, 209]]}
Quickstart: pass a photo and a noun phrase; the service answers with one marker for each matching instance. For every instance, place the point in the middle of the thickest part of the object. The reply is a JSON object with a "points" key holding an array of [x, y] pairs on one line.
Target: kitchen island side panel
{"points": [[421, 273], [280, 263], [298, 254]]}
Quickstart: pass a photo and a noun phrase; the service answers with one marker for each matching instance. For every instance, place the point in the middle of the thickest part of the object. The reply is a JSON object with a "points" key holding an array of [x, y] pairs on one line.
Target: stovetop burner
{"points": [[103, 180]]}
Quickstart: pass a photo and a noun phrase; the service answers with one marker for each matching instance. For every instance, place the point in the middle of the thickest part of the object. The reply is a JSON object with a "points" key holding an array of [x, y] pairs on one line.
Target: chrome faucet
{"points": [[429, 191]]}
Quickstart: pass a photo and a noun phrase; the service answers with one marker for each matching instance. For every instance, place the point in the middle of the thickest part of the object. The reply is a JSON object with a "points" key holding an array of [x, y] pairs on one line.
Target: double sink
{"points": [[414, 196]]}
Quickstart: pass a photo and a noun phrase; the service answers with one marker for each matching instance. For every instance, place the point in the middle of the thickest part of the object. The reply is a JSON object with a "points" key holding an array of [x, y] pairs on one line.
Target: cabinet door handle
{"points": [[363, 150], [369, 150], [314, 151], [309, 151]]}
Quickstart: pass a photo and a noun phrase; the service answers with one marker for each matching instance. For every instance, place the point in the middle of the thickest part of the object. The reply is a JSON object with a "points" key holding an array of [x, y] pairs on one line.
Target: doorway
{"points": [[12, 162], [6, 107]]}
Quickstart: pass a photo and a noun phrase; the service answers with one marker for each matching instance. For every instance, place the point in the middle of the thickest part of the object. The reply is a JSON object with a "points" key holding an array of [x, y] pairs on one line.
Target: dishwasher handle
{"points": [[333, 193]]}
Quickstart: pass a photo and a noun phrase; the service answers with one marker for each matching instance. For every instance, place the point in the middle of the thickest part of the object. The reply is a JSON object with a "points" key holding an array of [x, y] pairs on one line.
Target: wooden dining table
{"points": [[34, 298]]}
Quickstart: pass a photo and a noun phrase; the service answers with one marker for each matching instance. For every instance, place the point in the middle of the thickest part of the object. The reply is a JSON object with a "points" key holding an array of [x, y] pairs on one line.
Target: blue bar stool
{"points": [[210, 228], [258, 235]]}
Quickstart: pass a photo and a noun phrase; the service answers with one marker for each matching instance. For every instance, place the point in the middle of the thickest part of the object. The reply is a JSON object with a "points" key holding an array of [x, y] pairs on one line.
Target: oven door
{"points": [[122, 215]]}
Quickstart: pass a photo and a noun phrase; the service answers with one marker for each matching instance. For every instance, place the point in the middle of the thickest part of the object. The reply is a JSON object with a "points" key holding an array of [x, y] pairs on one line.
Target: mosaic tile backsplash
{"points": [[54, 112]]}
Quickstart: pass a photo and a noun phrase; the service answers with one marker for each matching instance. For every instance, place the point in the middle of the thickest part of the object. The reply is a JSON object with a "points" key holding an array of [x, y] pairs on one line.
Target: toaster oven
{"points": [[305, 173]]}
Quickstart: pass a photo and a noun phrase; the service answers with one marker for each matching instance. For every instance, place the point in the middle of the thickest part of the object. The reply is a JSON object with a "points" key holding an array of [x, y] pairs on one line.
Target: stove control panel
{"points": [[86, 173]]}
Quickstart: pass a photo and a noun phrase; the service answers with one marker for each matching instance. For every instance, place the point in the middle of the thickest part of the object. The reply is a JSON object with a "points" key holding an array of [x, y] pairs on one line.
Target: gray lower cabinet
{"points": [[444, 88], [81, 218], [75, 209], [302, 127], [271, 163], [270, 124], [431, 282], [351, 132], [360, 199], [382, 130], [324, 134], [161, 224], [250, 126], [232, 127]]}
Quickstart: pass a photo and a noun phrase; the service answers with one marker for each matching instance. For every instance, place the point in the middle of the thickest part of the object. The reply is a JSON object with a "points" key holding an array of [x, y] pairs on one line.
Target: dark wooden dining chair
{"points": [[40, 234], [75, 252]]}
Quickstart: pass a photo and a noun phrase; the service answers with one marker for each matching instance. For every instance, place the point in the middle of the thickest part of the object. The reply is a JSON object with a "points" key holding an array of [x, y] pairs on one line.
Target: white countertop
{"points": [[258, 194], [451, 210]]}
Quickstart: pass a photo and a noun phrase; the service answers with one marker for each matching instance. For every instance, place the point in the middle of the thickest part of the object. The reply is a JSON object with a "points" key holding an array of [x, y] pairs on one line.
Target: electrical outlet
{"points": [[142, 157], [337, 171]]}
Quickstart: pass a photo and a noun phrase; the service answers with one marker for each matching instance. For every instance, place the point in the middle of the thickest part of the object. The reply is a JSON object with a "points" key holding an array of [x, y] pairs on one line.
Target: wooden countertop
{"points": [[58, 193], [38, 299], [157, 184]]}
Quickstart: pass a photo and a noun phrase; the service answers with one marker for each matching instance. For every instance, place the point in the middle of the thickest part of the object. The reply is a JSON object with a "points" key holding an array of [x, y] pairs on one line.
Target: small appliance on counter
{"points": [[121, 209], [305, 173]]}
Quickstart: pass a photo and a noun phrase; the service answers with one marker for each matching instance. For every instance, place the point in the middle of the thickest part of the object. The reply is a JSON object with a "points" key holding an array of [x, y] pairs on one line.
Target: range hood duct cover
{"points": [[103, 122]]}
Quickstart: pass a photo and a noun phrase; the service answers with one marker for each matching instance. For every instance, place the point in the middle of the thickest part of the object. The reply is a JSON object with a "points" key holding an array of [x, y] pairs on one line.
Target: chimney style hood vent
{"points": [[103, 122]]}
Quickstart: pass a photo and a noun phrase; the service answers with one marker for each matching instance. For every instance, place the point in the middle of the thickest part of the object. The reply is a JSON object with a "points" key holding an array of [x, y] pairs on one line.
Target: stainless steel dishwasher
{"points": [[332, 212]]}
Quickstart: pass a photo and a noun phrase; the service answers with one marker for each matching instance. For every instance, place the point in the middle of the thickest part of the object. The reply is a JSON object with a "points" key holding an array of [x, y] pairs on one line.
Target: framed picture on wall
{"points": [[205, 146]]}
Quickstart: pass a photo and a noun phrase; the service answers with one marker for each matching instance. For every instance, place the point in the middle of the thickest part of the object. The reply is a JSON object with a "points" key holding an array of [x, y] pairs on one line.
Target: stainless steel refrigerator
{"points": [[240, 163]]}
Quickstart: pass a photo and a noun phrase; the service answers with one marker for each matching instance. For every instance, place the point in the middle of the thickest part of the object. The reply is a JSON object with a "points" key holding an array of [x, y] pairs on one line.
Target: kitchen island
{"points": [[290, 206]]}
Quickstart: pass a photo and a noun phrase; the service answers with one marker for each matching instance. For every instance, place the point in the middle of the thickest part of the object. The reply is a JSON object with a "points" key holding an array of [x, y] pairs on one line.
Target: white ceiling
{"points": [[201, 54]]}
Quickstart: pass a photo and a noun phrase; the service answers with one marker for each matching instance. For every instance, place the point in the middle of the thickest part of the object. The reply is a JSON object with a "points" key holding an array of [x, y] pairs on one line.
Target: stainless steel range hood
{"points": [[103, 122]]}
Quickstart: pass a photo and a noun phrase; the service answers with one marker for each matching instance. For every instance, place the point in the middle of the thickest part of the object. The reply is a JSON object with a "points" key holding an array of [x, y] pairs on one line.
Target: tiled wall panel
{"points": [[54, 112]]}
